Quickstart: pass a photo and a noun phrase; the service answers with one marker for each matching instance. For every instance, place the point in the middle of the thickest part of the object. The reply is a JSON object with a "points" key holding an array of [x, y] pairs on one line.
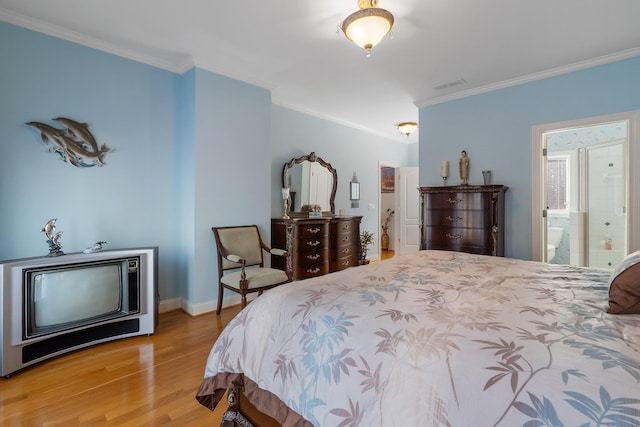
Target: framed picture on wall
{"points": [[387, 177]]}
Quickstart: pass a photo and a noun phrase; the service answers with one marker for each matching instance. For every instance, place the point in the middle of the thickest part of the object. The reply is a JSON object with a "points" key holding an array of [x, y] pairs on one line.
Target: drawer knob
{"points": [[454, 236], [346, 250], [313, 270], [315, 243], [313, 257], [346, 238], [345, 263], [313, 230], [451, 218], [450, 200]]}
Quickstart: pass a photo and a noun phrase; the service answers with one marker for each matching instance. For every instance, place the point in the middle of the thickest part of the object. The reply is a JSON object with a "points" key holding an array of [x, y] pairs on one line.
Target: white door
{"points": [[407, 217]]}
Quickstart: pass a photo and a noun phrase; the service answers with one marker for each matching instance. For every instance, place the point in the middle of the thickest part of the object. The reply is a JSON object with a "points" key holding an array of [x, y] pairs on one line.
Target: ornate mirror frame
{"points": [[313, 157]]}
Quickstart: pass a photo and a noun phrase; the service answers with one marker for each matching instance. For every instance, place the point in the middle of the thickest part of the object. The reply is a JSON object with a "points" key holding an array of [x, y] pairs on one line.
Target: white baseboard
{"points": [[169, 305], [198, 309]]}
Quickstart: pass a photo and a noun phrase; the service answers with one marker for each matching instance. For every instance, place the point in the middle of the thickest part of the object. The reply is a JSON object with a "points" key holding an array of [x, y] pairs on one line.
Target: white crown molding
{"points": [[75, 37], [232, 74], [390, 136], [583, 65]]}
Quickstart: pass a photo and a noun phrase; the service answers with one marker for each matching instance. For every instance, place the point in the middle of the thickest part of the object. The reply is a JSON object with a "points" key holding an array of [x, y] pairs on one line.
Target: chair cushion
{"points": [[243, 242], [624, 286], [256, 277]]}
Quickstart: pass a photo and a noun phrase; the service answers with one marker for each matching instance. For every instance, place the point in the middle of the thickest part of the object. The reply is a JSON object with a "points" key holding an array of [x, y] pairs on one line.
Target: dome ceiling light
{"points": [[367, 26], [407, 128]]}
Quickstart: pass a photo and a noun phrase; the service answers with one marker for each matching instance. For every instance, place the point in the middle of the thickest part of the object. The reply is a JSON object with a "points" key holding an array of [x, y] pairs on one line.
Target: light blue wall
{"points": [[349, 150], [232, 151], [190, 151], [185, 137], [495, 129], [129, 202]]}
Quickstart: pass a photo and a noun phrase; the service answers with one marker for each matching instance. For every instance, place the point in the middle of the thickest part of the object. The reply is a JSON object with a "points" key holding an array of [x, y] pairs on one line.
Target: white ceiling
{"points": [[292, 47]]}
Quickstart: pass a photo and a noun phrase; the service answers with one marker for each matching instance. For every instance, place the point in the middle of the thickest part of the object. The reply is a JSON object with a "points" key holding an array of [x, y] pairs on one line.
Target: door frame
{"points": [[382, 164], [632, 165]]}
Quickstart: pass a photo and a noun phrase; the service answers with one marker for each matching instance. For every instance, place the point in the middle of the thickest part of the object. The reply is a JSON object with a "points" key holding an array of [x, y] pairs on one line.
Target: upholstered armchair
{"points": [[241, 265]]}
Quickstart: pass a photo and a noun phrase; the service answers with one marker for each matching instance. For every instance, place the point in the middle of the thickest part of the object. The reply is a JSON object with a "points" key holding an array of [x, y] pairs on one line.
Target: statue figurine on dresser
{"points": [[464, 168]]}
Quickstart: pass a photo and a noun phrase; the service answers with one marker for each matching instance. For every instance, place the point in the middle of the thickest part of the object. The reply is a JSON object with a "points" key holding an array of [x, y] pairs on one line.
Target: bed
{"points": [[436, 338]]}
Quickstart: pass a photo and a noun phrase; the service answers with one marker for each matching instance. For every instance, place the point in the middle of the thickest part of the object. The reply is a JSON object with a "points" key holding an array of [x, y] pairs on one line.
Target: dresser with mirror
{"points": [[318, 240]]}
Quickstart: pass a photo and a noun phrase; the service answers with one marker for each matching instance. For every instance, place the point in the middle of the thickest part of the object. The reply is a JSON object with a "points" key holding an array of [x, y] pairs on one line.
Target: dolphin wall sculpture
{"points": [[74, 143]]}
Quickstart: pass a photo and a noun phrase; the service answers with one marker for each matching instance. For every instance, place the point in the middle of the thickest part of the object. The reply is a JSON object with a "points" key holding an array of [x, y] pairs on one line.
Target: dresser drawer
{"points": [[312, 243], [337, 265], [349, 226], [312, 230], [458, 218], [455, 200], [344, 239], [308, 271], [478, 250], [453, 236], [345, 251], [312, 257]]}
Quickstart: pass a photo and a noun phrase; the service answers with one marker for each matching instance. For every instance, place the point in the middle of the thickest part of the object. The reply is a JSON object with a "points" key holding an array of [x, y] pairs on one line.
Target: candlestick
{"points": [[445, 169], [285, 199]]}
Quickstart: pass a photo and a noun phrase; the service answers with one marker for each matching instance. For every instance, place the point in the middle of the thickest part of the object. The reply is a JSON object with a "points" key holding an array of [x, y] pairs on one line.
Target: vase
{"points": [[384, 241], [363, 257]]}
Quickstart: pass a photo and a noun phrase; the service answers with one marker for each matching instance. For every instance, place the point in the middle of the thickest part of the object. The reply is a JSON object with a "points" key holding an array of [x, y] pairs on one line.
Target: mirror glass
{"points": [[312, 183]]}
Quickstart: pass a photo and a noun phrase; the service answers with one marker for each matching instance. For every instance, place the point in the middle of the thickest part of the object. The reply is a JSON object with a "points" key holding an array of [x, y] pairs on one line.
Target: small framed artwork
{"points": [[387, 178]]}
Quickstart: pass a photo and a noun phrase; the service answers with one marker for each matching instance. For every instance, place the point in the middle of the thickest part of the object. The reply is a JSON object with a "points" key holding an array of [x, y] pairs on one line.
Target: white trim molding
{"points": [[582, 65]]}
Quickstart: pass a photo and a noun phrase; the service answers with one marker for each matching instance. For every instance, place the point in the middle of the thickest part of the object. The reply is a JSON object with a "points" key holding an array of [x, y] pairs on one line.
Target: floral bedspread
{"points": [[441, 338]]}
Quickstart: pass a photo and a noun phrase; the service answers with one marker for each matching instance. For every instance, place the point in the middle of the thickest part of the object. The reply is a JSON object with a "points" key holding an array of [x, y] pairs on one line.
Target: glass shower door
{"points": [[606, 195]]}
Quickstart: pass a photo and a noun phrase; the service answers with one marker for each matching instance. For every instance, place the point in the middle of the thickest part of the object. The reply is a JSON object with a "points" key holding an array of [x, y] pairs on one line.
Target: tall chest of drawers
{"points": [[317, 245], [464, 218]]}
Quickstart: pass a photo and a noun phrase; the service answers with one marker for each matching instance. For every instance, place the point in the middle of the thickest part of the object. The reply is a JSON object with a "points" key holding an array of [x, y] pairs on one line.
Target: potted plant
{"points": [[366, 239], [384, 237]]}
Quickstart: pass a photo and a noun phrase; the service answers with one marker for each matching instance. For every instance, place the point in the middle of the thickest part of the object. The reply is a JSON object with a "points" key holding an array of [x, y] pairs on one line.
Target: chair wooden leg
{"points": [[220, 295]]}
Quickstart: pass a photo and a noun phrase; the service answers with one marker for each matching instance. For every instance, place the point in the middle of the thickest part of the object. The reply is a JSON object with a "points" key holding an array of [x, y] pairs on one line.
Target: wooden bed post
{"points": [[232, 415]]}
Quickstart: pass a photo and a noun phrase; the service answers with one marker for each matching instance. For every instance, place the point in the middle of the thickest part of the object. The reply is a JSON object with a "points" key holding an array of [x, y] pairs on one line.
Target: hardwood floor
{"points": [[140, 381], [387, 254]]}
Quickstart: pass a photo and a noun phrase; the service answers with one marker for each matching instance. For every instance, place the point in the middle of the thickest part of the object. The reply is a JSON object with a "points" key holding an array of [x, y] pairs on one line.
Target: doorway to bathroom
{"points": [[583, 193]]}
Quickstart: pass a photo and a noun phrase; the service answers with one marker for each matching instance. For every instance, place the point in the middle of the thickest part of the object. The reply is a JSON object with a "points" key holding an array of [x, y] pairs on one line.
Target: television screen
{"points": [[75, 294]]}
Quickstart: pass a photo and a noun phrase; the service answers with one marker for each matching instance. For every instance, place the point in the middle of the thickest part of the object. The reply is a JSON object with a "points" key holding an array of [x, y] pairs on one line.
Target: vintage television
{"points": [[52, 305]]}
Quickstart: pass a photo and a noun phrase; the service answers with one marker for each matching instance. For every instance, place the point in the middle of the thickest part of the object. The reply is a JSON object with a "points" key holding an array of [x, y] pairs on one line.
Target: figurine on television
{"points": [[55, 247], [97, 247]]}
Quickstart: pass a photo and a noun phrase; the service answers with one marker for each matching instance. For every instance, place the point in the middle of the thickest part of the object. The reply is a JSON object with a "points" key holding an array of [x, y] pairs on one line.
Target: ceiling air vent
{"points": [[450, 84]]}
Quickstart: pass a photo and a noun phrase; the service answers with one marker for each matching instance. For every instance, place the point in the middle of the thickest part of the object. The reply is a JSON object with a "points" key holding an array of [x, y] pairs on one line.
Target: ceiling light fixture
{"points": [[367, 26], [407, 128]]}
